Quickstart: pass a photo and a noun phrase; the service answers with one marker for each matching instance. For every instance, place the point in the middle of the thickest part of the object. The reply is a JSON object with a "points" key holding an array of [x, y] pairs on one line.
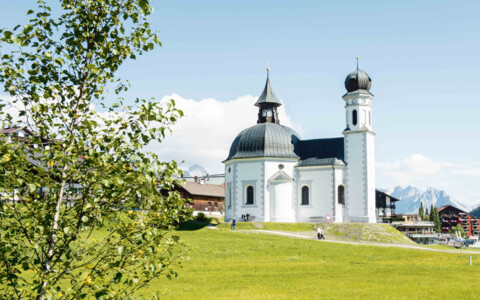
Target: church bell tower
{"points": [[267, 104], [359, 149]]}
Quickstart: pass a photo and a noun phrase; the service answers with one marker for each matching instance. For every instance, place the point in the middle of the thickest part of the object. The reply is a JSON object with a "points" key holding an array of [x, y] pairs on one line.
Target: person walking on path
{"points": [[320, 233], [234, 224]]}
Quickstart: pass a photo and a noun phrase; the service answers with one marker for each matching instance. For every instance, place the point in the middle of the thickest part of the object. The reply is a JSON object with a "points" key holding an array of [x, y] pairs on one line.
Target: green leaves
{"points": [[88, 210]]}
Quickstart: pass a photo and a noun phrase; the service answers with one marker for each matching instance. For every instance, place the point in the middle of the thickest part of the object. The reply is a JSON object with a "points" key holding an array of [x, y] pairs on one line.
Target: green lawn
{"points": [[245, 265]]}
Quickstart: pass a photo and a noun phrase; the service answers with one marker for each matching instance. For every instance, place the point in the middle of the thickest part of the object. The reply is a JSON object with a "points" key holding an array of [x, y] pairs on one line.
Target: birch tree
{"points": [[95, 211]]}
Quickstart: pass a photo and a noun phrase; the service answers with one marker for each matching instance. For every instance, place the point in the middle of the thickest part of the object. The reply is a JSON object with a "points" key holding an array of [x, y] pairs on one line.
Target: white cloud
{"points": [[410, 169], [209, 127]]}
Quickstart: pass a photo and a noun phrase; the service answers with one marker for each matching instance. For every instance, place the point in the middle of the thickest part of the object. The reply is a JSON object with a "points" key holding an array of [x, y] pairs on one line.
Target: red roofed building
{"points": [[450, 216]]}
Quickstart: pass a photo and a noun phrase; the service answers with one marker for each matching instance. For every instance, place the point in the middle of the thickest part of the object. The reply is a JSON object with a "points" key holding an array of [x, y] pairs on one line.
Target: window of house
{"points": [[305, 195], [249, 195], [341, 194], [354, 117]]}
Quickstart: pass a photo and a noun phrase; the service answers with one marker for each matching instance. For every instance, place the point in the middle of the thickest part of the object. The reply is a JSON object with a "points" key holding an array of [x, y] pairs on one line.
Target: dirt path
{"points": [[293, 235]]}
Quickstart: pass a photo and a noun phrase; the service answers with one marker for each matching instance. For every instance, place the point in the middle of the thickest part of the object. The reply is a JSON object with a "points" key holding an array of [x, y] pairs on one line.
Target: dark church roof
{"points": [[268, 96], [264, 140], [320, 152]]}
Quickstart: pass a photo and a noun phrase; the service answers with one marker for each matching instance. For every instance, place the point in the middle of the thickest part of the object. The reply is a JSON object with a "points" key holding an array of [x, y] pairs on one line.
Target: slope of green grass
{"points": [[354, 232], [245, 265]]}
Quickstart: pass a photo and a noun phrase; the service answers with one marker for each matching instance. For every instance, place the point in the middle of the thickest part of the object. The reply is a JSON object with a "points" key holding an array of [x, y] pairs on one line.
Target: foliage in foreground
{"points": [[84, 169]]}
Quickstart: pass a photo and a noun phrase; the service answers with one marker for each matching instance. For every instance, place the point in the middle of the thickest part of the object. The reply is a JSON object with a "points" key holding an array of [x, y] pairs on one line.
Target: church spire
{"points": [[268, 103]]}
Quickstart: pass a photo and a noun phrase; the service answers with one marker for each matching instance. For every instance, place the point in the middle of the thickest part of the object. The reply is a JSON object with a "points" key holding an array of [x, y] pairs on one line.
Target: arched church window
{"points": [[229, 196], [354, 117], [370, 118], [341, 194], [249, 194], [305, 195]]}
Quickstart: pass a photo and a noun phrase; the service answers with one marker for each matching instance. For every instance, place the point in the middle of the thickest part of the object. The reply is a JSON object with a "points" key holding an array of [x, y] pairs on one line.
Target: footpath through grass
{"points": [[241, 265]]}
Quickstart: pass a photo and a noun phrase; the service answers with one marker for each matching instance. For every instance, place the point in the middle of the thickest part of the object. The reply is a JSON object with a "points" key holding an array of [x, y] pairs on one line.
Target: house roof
{"points": [[15, 129], [320, 152], [385, 194], [450, 207], [212, 190]]}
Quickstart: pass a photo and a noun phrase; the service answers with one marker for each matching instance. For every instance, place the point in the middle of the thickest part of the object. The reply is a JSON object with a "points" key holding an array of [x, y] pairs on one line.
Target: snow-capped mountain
{"points": [[195, 170], [411, 197]]}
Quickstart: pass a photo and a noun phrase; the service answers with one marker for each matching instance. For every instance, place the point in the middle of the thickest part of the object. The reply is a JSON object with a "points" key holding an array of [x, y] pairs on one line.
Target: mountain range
{"points": [[411, 197], [195, 170]]}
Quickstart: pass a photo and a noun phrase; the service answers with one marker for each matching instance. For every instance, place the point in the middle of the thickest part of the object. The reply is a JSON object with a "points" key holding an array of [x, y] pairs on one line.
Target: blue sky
{"points": [[423, 58]]}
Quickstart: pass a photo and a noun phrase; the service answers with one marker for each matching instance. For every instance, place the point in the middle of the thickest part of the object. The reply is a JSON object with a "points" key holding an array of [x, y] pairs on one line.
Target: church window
{"points": [[341, 194], [370, 118], [305, 195], [281, 166], [249, 195], [354, 117], [229, 197], [269, 113]]}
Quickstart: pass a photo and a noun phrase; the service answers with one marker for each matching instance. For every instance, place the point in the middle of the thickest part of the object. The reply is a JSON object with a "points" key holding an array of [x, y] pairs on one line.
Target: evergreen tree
{"points": [[432, 213], [420, 211], [426, 216], [436, 220]]}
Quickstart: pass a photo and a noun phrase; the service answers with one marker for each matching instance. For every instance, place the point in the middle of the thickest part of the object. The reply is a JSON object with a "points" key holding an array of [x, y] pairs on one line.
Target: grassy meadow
{"points": [[246, 265]]}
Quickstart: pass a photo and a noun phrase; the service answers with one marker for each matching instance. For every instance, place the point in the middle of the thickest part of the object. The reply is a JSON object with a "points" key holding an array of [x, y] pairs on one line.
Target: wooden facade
{"points": [[204, 197]]}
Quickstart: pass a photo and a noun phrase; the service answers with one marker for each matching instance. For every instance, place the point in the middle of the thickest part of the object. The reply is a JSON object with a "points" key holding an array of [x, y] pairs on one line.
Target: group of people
{"points": [[245, 217]]}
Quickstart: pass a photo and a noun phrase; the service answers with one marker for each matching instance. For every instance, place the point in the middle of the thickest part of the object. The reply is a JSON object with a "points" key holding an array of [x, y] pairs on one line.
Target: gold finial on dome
{"points": [[268, 69], [357, 62]]}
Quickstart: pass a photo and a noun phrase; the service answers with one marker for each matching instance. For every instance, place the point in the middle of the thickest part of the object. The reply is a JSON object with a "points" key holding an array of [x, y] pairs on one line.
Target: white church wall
{"points": [[283, 199], [281, 206], [320, 182], [229, 190], [370, 176], [339, 180], [249, 173], [355, 181]]}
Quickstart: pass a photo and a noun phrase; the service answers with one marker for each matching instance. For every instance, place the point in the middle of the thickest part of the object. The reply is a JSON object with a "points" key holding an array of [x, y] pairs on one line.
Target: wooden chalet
{"points": [[205, 197]]}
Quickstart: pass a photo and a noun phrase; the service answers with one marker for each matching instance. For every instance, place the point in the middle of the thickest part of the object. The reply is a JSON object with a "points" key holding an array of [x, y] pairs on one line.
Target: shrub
{"points": [[201, 217]]}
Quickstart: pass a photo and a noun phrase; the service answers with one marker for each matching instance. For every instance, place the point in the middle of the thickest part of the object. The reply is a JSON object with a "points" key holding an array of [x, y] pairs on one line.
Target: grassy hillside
{"points": [[245, 265], [355, 232]]}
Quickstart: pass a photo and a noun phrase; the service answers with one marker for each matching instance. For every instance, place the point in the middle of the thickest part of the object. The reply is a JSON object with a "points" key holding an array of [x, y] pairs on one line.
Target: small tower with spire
{"points": [[359, 143], [267, 104]]}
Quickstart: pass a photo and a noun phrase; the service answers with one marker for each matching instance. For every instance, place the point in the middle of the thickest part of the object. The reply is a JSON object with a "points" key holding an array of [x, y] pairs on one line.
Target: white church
{"points": [[275, 176]]}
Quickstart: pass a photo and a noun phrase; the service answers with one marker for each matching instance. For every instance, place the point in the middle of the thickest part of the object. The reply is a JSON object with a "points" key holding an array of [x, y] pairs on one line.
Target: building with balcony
{"points": [[385, 206], [451, 216], [420, 232]]}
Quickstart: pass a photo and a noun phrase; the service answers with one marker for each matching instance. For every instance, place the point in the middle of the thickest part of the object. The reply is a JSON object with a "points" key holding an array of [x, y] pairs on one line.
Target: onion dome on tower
{"points": [[358, 80], [268, 138]]}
